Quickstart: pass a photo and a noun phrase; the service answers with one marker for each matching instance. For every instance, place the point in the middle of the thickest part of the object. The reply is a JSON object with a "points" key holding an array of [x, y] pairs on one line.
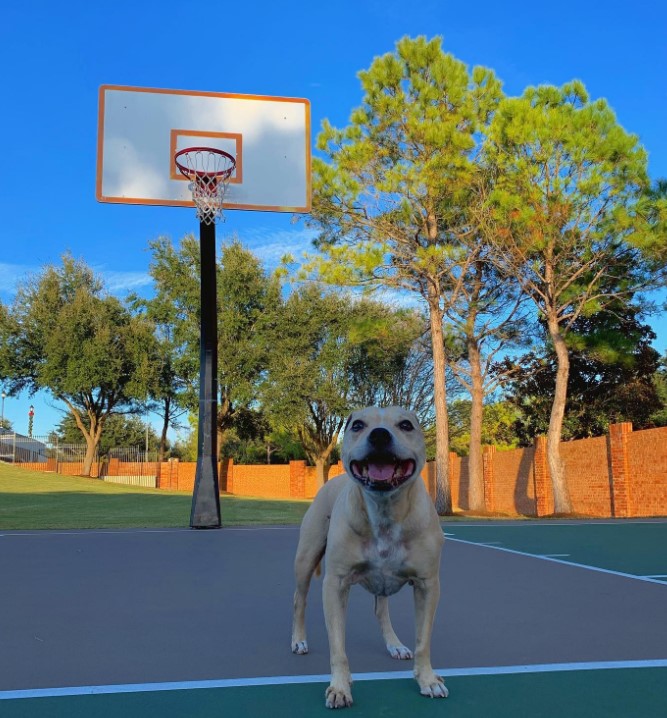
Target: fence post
{"points": [[230, 477], [618, 463]]}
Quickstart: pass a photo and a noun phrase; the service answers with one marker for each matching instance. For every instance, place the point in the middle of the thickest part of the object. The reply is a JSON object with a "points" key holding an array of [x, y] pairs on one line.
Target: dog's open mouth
{"points": [[383, 473]]}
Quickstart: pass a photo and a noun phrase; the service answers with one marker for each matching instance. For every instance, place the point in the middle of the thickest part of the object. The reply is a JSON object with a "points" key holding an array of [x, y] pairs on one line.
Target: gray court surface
{"points": [[106, 608]]}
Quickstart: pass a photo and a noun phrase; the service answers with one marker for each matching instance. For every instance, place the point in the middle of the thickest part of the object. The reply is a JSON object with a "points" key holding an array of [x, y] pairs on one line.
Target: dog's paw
{"points": [[399, 652], [338, 696], [300, 647], [433, 687]]}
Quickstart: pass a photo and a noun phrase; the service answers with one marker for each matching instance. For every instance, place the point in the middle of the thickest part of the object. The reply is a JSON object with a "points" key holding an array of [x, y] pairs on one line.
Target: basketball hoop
{"points": [[209, 171]]}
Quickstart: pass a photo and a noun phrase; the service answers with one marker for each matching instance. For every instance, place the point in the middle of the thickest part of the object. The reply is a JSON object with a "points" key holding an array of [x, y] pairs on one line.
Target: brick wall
{"points": [[587, 471], [513, 482], [647, 468], [622, 474]]}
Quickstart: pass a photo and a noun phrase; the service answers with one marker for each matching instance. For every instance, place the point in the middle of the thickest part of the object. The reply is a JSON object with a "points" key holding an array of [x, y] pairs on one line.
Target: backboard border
{"points": [[103, 89]]}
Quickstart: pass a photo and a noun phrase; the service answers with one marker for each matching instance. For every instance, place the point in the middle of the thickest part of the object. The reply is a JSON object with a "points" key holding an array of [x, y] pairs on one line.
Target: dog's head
{"points": [[383, 449]]}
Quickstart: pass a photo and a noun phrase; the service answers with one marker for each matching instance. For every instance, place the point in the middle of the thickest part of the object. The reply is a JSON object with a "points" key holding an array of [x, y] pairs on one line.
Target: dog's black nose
{"points": [[379, 438]]}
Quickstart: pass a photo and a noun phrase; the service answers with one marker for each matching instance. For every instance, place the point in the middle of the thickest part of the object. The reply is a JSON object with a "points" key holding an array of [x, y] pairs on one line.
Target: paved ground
{"points": [[185, 621]]}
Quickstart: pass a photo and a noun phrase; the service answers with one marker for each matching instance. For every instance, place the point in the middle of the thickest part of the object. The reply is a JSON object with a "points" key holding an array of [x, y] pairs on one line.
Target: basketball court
{"points": [[197, 623]]}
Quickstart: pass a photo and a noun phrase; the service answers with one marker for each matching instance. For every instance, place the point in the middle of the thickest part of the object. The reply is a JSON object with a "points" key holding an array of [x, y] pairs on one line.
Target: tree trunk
{"points": [[89, 458], [562, 502], [475, 465], [322, 467], [443, 496], [165, 427], [92, 435]]}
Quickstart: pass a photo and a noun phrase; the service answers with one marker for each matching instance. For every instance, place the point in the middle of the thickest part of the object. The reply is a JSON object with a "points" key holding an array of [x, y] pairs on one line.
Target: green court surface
{"points": [[617, 692], [634, 547]]}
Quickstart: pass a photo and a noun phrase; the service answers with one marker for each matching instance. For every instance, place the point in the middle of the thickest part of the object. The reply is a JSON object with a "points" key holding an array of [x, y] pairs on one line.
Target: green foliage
{"points": [[120, 431], [389, 191], [569, 182], [63, 334], [246, 295], [498, 425], [331, 353], [615, 376]]}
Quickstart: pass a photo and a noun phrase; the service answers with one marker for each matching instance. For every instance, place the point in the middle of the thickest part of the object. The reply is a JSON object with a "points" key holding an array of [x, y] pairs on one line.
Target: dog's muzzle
{"points": [[382, 471]]}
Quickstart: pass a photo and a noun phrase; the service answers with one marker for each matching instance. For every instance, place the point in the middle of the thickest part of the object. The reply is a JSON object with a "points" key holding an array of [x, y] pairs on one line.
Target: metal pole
{"points": [[206, 497]]}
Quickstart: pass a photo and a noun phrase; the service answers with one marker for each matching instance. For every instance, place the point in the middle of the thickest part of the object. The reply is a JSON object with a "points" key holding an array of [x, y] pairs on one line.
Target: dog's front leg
{"points": [[427, 594], [392, 641], [335, 592]]}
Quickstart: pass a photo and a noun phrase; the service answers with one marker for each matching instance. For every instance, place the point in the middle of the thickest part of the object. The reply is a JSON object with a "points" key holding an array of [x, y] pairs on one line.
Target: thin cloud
{"points": [[11, 275], [270, 246], [119, 282]]}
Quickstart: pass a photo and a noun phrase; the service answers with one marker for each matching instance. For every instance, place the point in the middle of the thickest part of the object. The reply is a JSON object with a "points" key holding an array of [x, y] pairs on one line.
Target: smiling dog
{"points": [[379, 528]]}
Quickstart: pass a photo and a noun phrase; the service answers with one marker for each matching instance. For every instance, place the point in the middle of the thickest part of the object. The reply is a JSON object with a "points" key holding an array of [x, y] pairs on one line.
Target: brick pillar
{"points": [[541, 477], [488, 457], [173, 474], [226, 476], [114, 467], [455, 479], [297, 479], [225, 471], [618, 463]]}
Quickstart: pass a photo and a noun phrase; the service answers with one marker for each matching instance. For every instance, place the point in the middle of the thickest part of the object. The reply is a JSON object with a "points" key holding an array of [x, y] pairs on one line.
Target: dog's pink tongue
{"points": [[380, 472]]}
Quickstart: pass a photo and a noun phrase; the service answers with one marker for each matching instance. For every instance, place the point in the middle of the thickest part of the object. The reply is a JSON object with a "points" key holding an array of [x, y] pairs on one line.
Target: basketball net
{"points": [[209, 171]]}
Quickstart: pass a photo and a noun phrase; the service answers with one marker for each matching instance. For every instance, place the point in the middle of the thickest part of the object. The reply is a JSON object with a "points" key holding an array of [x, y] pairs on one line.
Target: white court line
{"points": [[513, 523], [324, 678], [540, 557], [554, 555]]}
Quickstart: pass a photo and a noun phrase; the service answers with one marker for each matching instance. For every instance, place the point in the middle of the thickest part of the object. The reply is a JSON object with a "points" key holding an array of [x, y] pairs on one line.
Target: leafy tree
{"points": [[659, 417], [64, 335], [391, 192], [120, 431], [612, 378], [564, 219], [328, 354], [245, 296], [168, 389], [498, 426], [488, 318]]}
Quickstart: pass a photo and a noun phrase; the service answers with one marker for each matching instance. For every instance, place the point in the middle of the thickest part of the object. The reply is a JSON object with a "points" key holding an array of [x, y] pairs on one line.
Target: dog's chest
{"points": [[383, 571]]}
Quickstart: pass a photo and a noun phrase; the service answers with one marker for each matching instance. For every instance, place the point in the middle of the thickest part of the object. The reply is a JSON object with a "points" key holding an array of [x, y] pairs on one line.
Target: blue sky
{"points": [[56, 55]]}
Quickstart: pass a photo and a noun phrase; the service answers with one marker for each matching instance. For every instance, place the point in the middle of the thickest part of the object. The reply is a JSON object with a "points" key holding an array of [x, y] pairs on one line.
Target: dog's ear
{"points": [[347, 423]]}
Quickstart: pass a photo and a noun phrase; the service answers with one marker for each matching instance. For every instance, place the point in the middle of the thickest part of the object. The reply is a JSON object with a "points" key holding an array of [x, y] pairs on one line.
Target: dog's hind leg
{"points": [[309, 554], [394, 646]]}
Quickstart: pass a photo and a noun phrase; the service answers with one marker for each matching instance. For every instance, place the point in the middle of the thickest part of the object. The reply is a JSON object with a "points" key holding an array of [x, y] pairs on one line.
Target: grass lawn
{"points": [[37, 500]]}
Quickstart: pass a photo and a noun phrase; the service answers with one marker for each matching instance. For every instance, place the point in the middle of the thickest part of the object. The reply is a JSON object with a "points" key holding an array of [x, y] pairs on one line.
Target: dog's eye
{"points": [[406, 425], [357, 425]]}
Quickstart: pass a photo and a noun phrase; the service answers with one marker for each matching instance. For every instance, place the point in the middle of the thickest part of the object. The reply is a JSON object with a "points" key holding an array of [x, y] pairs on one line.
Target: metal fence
{"points": [[44, 452], [131, 465]]}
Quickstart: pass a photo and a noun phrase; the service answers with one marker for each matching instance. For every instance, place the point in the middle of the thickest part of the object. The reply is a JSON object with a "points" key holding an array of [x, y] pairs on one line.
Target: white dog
{"points": [[379, 528]]}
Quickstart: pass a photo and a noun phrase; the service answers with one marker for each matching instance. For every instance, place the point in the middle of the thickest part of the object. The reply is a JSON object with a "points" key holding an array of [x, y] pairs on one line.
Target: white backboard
{"points": [[140, 130]]}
